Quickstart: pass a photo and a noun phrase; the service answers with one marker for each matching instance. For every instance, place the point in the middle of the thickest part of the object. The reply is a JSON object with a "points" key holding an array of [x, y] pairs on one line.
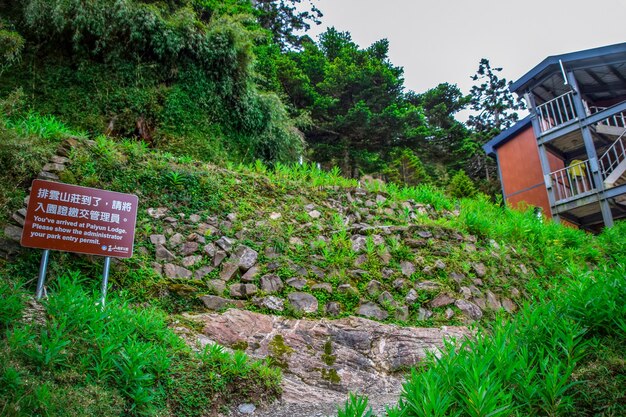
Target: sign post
{"points": [[78, 219]]}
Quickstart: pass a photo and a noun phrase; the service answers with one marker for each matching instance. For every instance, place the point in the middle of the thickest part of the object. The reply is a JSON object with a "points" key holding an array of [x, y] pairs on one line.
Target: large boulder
{"points": [[303, 302]]}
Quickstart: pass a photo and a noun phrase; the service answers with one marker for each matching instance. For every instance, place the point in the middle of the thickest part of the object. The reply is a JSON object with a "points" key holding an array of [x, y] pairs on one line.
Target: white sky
{"points": [[443, 40]]}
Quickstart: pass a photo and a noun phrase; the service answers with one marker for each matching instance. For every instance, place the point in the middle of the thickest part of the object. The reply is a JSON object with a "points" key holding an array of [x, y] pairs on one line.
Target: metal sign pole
{"points": [[43, 266], [105, 279]]}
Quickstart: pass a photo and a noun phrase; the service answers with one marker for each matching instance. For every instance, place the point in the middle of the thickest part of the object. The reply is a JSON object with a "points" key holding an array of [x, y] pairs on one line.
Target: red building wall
{"points": [[521, 174]]}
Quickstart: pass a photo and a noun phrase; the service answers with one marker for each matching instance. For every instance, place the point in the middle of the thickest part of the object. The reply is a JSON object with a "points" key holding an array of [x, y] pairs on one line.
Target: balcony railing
{"points": [[617, 120], [556, 112], [572, 181]]}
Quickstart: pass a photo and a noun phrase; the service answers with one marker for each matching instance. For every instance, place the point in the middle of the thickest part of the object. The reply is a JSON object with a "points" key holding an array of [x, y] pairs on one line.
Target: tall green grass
{"points": [[52, 364]]}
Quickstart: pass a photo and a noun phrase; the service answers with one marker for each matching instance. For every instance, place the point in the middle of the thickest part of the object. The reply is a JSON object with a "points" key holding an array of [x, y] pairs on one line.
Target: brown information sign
{"points": [[79, 219]]}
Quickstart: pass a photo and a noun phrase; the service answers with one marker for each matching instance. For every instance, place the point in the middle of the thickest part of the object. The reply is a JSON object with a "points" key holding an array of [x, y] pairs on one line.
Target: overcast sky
{"points": [[443, 40]]}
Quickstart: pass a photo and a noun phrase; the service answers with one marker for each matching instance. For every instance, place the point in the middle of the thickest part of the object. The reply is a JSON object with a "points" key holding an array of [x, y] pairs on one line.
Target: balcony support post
{"points": [[590, 147]]}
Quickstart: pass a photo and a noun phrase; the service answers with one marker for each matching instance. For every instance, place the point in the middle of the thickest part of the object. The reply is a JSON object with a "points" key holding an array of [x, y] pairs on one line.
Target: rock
{"points": [[424, 314], [407, 268], [475, 291], [13, 232], [157, 213], [369, 203], [457, 277], [207, 229], [220, 255], [225, 243], [251, 274], [157, 268], [509, 306], [315, 214], [271, 302], [175, 272], [478, 282], [162, 254], [323, 286], [246, 257], [385, 298], [522, 268], [449, 313], [359, 243], [228, 271], [213, 302], [441, 300], [425, 234], [402, 313], [195, 218], [275, 216], [231, 217], [411, 297], [303, 302], [360, 260], [190, 261], [374, 287], [439, 264], [387, 272], [385, 258], [493, 302], [297, 283], [515, 292], [399, 284], [47, 176], [271, 283], [59, 159], [332, 309], [217, 286], [246, 408], [470, 309], [369, 356], [209, 249], [465, 292], [189, 248], [372, 310], [380, 199], [176, 240], [470, 247], [428, 286], [480, 302], [346, 289], [479, 269], [158, 240], [242, 290]]}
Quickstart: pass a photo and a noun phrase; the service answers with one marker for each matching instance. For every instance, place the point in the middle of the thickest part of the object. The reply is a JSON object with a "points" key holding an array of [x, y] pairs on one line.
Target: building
{"points": [[569, 155]]}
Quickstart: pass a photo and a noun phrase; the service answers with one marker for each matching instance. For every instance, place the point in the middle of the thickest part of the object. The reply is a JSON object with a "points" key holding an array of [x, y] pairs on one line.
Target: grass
{"points": [[54, 363]]}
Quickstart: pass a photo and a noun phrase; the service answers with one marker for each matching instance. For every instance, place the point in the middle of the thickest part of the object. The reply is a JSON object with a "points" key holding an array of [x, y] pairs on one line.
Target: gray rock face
{"points": [[271, 302], [190, 261], [315, 214], [189, 248], [368, 354], [213, 302], [359, 242], [439, 264], [157, 213], [407, 268], [228, 271], [332, 309], [470, 309], [372, 310], [203, 272], [441, 300], [157, 239], [373, 287], [176, 272], [251, 274], [303, 302], [493, 302], [217, 286], [224, 243], [346, 288], [246, 408], [162, 254], [176, 240], [480, 269], [271, 283], [411, 296], [297, 283], [509, 305], [246, 257], [424, 314], [220, 255], [428, 286], [242, 290], [323, 286], [402, 313], [195, 218], [385, 297], [209, 249]]}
